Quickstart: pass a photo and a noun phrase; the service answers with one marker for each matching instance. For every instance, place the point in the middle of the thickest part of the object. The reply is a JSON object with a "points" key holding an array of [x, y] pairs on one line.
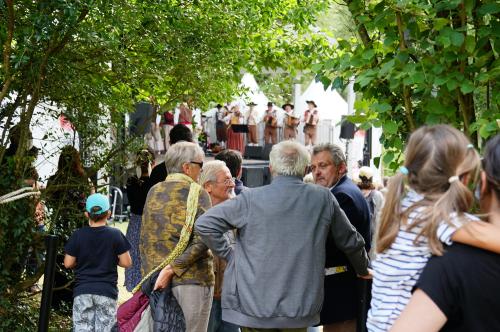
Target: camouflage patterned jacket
{"points": [[162, 221]]}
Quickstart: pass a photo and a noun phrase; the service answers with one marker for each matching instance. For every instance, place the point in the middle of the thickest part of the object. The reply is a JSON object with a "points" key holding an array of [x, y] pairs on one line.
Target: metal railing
{"points": [[117, 194]]}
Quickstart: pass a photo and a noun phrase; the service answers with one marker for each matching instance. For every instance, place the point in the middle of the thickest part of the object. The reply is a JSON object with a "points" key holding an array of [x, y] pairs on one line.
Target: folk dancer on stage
{"points": [[251, 120], [235, 141], [311, 119], [290, 122], [271, 121]]}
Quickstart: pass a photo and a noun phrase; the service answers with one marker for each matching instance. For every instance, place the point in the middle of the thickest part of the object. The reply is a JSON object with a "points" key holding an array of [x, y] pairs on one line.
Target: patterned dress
{"points": [[137, 190], [133, 274]]}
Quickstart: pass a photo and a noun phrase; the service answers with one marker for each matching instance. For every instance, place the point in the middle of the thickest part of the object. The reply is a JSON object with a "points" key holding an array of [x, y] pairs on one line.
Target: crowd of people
{"points": [[293, 255]]}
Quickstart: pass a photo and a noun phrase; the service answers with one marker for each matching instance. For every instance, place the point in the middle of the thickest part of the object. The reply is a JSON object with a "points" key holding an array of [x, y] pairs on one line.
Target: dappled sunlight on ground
{"points": [[123, 294]]}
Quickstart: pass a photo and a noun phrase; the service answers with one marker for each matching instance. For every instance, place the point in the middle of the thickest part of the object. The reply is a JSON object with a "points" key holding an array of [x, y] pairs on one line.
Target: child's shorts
{"points": [[94, 313]]}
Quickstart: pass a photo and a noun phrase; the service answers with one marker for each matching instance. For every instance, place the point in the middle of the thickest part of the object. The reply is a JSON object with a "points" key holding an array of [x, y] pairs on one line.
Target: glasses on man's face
{"points": [[227, 182], [199, 163]]}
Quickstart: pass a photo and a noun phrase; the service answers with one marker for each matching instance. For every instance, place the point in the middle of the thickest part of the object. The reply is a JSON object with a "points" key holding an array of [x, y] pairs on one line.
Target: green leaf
{"points": [[466, 87], [418, 77], [376, 162], [457, 38], [489, 8], [317, 67], [338, 83], [369, 54], [452, 84], [444, 40], [402, 56], [488, 129], [386, 68], [382, 107], [388, 157], [390, 127], [440, 23], [440, 80], [433, 118], [470, 44]]}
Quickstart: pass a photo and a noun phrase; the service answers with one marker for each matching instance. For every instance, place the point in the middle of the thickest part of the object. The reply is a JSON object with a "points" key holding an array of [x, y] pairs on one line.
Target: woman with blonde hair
{"points": [[425, 206]]}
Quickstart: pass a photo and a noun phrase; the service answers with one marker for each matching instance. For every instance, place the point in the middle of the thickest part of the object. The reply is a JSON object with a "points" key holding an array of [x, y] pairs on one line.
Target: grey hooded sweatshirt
{"points": [[274, 276]]}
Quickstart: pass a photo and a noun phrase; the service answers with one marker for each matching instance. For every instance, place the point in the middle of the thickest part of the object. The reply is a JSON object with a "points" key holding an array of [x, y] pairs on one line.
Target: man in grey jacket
{"points": [[274, 274]]}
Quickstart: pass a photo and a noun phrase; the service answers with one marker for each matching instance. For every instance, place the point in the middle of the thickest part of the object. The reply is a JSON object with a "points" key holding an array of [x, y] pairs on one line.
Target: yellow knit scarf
{"points": [[191, 209]]}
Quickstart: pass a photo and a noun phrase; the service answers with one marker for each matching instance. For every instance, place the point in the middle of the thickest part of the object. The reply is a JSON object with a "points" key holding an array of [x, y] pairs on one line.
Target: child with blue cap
{"points": [[94, 253]]}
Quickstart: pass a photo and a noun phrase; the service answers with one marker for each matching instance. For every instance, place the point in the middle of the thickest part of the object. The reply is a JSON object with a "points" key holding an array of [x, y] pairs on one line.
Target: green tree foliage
{"points": [[421, 62], [94, 59]]}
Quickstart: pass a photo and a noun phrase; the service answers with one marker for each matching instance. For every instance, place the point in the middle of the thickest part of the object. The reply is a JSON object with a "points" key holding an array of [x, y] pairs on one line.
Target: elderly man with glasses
{"points": [[275, 269], [216, 179], [169, 206]]}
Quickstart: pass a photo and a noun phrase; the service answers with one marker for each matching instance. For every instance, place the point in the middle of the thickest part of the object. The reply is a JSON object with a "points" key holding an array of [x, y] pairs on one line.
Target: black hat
{"points": [[269, 104], [287, 104], [219, 106], [251, 104], [311, 102]]}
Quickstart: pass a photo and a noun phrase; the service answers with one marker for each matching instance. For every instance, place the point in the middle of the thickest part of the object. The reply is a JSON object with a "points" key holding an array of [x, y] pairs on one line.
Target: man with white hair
{"points": [[275, 270], [171, 208], [217, 180]]}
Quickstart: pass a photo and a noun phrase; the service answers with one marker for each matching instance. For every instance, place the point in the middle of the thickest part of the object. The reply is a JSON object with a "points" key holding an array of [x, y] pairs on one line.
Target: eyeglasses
{"points": [[227, 182], [199, 163]]}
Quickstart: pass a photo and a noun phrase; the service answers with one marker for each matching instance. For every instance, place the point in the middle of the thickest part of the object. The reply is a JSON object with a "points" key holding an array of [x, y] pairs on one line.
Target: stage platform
{"points": [[255, 171]]}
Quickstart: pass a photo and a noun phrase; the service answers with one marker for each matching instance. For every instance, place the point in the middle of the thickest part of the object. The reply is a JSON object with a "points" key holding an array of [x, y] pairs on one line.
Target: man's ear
{"points": [[186, 169], [343, 168], [86, 214], [208, 187], [238, 176], [109, 213]]}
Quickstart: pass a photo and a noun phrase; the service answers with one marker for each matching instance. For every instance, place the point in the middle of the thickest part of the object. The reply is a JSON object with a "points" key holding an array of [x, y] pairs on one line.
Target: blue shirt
{"points": [[96, 250]]}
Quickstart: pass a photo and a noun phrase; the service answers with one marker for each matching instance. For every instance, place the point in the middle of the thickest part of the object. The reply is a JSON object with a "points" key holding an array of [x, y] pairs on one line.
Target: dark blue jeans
{"points": [[216, 324]]}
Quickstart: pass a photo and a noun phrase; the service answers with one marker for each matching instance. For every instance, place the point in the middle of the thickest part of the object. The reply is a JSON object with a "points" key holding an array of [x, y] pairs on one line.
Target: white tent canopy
{"points": [[331, 106]]}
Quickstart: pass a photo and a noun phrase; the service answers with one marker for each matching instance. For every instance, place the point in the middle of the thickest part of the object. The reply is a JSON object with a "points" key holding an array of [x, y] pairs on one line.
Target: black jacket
{"points": [[166, 312], [354, 204]]}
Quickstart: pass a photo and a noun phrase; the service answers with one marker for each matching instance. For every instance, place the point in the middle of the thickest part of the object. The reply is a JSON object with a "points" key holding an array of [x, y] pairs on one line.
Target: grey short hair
{"points": [[181, 153], [210, 170], [289, 158], [335, 151]]}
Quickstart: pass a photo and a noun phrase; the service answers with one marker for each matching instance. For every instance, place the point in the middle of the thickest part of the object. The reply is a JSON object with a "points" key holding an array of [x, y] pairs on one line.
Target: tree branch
{"points": [[7, 48], [406, 89], [67, 36], [35, 93]]}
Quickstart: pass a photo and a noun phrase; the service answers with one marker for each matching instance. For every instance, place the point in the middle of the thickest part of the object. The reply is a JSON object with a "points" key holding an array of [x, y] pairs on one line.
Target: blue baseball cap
{"points": [[97, 204]]}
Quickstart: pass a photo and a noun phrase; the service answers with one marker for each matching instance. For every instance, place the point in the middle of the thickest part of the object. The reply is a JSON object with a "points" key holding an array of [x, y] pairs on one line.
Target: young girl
{"points": [[459, 290], [425, 207]]}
